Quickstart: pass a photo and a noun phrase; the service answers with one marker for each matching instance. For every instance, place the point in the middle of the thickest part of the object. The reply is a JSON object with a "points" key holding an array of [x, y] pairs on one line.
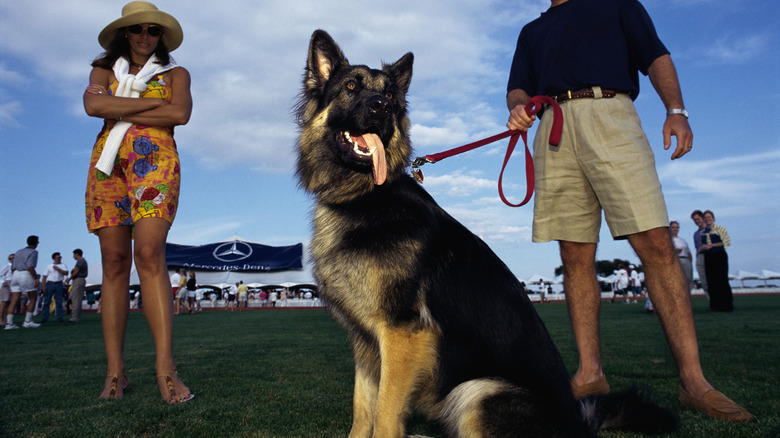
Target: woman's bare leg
{"points": [[150, 237], [115, 250]]}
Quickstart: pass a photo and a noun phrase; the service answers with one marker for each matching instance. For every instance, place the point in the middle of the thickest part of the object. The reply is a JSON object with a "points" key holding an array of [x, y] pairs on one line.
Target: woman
{"points": [[714, 241], [141, 94], [192, 286]]}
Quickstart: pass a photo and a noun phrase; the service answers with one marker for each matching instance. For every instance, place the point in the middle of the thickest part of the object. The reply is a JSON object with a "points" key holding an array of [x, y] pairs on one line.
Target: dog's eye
{"points": [[389, 95], [351, 85]]}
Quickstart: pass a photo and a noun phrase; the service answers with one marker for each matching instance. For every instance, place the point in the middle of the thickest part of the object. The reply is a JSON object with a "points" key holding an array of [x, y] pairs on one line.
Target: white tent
{"points": [[745, 275], [536, 279], [766, 275]]}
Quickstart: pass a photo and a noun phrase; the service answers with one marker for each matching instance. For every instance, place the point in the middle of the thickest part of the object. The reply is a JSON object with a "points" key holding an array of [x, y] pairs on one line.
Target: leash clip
{"points": [[416, 172]]}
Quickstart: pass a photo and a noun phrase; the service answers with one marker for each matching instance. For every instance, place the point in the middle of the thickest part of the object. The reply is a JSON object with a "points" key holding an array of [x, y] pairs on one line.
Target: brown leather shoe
{"points": [[600, 386], [715, 404]]}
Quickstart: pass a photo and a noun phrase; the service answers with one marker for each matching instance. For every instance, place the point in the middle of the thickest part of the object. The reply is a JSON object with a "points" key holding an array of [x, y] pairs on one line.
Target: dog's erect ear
{"points": [[325, 57], [402, 71]]}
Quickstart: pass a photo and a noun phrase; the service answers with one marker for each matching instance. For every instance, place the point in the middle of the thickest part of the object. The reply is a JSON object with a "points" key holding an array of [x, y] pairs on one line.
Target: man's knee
{"points": [[577, 255], [654, 243]]}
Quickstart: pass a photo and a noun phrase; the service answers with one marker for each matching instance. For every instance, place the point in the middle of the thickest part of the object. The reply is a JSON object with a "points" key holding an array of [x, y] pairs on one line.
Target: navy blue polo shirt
{"points": [[582, 43]]}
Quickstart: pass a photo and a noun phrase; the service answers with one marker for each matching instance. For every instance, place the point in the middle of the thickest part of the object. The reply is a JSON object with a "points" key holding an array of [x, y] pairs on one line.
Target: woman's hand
{"points": [[96, 89]]}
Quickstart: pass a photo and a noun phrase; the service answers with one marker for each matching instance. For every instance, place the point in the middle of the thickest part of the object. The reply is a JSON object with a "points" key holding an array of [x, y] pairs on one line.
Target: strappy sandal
{"points": [[167, 380], [113, 381]]}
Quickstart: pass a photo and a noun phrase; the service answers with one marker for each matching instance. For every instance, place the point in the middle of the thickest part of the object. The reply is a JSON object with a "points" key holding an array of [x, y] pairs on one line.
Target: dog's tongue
{"points": [[372, 142]]}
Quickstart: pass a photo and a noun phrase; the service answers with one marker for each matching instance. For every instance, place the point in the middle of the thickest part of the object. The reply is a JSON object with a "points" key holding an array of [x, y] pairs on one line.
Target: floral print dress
{"points": [[146, 176]]}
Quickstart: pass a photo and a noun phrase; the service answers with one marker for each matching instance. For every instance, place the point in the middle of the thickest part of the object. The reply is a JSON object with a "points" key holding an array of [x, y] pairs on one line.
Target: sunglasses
{"points": [[153, 31]]}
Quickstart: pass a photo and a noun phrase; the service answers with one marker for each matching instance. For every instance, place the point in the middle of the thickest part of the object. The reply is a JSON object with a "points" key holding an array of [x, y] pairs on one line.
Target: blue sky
{"points": [[246, 60]]}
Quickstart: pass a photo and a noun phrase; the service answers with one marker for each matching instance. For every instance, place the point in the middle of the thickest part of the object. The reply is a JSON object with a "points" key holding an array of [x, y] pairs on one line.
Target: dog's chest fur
{"points": [[368, 253]]}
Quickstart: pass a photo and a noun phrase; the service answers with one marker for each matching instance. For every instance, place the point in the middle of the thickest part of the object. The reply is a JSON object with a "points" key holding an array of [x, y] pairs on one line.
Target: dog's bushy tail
{"points": [[629, 410], [496, 408]]}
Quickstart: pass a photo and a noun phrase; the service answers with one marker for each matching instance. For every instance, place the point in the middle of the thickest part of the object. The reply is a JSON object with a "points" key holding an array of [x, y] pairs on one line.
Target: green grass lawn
{"points": [[288, 373]]}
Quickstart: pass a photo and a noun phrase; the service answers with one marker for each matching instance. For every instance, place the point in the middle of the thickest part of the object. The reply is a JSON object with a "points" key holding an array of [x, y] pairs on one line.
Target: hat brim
{"points": [[172, 35]]}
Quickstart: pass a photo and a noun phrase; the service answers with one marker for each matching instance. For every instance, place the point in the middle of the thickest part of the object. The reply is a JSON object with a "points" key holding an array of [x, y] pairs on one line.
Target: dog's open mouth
{"points": [[364, 148]]}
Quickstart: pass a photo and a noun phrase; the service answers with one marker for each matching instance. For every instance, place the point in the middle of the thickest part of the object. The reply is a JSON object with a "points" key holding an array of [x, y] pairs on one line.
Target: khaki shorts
{"points": [[5, 292], [604, 162]]}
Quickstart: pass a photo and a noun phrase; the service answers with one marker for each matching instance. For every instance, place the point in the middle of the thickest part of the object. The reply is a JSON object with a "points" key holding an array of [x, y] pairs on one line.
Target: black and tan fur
{"points": [[437, 322]]}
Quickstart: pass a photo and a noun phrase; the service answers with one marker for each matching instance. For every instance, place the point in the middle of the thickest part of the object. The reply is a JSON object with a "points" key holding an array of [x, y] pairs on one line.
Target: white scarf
{"points": [[129, 86]]}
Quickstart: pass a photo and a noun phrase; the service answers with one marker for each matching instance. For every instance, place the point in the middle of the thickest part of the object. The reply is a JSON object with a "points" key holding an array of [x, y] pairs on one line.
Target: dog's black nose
{"points": [[379, 108]]}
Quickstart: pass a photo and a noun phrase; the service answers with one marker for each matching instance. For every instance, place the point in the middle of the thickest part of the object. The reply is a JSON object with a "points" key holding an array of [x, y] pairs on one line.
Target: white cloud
{"points": [[458, 184], [745, 178], [10, 107], [8, 113], [247, 62], [737, 50], [208, 230]]}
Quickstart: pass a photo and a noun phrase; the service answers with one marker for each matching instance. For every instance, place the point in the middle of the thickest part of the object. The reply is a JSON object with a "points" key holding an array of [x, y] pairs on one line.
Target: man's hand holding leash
{"points": [[519, 120]]}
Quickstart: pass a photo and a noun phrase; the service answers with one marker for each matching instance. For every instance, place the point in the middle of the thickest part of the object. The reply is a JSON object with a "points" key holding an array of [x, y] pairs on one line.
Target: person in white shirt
{"points": [[231, 297], [55, 275], [5, 290], [178, 282], [683, 253], [636, 284], [175, 280], [24, 280], [623, 282]]}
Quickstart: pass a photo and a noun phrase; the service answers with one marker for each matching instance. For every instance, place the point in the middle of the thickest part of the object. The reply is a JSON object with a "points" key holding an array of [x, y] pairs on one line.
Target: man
{"points": [[683, 253], [231, 297], [53, 278], [243, 296], [587, 54], [698, 219], [622, 283], [6, 272], [636, 285], [78, 278], [24, 280]]}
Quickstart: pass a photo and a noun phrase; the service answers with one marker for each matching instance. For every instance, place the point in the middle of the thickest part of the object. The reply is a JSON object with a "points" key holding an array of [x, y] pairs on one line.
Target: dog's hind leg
{"points": [[407, 356]]}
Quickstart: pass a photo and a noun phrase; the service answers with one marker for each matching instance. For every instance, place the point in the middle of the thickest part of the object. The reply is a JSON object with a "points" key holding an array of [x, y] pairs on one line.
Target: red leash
{"points": [[531, 108]]}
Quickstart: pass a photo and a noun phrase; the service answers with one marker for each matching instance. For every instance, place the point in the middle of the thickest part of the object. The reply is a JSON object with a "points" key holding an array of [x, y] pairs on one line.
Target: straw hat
{"points": [[139, 12]]}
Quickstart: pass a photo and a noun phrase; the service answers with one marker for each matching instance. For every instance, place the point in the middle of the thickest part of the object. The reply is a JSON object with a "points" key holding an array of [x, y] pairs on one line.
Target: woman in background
{"points": [[714, 241], [192, 286]]}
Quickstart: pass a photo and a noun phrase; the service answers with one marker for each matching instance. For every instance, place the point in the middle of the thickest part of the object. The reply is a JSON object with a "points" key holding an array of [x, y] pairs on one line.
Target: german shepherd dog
{"points": [[437, 321]]}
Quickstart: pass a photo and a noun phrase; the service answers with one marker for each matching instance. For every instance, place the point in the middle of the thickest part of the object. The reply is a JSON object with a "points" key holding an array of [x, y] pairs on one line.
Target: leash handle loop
{"points": [[532, 107], [529, 169]]}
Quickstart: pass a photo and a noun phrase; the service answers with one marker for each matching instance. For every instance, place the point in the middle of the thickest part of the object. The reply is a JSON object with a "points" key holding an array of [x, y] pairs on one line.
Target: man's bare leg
{"points": [[668, 290], [583, 299], [667, 287]]}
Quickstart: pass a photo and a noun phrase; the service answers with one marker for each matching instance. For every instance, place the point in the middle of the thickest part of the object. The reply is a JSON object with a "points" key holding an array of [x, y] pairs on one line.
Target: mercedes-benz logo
{"points": [[232, 251]]}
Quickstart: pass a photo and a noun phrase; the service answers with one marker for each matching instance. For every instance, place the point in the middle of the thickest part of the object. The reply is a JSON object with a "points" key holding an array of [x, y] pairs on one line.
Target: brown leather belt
{"points": [[584, 93]]}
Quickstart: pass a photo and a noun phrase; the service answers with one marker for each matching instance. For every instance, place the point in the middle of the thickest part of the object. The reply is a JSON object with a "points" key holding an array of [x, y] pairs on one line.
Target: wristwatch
{"points": [[674, 111]]}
